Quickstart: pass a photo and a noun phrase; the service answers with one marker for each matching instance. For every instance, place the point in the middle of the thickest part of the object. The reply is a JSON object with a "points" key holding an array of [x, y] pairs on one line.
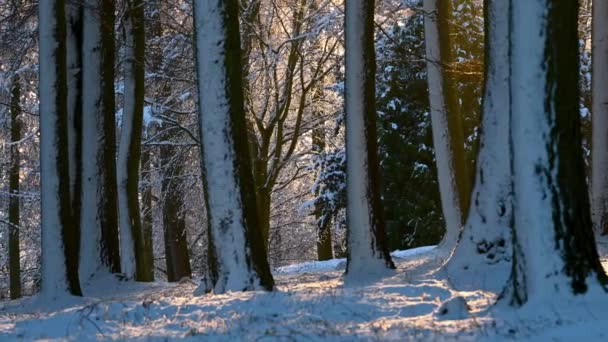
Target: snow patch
{"points": [[455, 308]]}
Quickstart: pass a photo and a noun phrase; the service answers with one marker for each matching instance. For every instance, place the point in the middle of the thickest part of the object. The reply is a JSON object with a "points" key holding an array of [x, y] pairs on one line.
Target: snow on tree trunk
{"points": [[367, 248], [237, 254], [74, 70], [483, 253], [599, 173], [99, 250], [448, 135], [555, 252], [134, 259], [59, 242], [13, 201]]}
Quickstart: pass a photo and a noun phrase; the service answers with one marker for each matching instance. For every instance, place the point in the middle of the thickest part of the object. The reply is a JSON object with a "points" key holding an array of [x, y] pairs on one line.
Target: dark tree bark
{"points": [[367, 243], [74, 64], [174, 222], [13, 202], [59, 239], [110, 226]]}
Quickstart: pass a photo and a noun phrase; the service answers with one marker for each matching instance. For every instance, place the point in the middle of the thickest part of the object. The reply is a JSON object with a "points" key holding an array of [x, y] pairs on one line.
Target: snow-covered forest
{"points": [[295, 170]]}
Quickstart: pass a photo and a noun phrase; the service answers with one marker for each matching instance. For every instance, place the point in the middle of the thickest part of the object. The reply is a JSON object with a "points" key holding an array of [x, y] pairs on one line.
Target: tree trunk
{"points": [[264, 200], [367, 246], [448, 135], [484, 249], [135, 259], [59, 239], [555, 251], [259, 167], [99, 249], [174, 222], [147, 219], [13, 201], [74, 64], [599, 173], [237, 255], [324, 243]]}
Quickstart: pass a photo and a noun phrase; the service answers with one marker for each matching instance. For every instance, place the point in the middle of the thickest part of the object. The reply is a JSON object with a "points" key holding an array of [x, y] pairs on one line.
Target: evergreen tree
{"points": [[468, 71], [324, 241], [409, 178], [329, 189]]}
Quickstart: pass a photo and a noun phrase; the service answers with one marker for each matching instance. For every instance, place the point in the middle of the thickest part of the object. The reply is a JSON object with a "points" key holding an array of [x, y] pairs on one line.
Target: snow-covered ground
{"points": [[414, 303]]}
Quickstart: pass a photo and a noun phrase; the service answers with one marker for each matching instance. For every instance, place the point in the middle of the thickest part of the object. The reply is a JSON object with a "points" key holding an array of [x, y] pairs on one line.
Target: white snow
{"points": [[150, 117], [127, 244], [484, 249], [92, 123], [308, 307], [455, 308], [54, 283], [340, 264]]}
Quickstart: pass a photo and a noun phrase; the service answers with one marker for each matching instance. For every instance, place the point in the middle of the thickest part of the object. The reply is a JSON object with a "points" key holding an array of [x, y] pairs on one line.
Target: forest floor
{"points": [[311, 303]]}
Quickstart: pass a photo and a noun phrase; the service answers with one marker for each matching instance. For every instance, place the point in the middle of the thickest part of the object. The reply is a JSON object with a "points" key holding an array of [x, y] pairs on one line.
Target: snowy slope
{"points": [[340, 264], [311, 304]]}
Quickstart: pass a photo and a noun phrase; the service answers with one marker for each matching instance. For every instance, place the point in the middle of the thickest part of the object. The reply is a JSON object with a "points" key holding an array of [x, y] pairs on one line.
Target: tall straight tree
{"points": [[324, 244], [99, 249], [555, 252], [367, 245], [74, 69], [484, 247], [599, 150], [59, 239], [237, 257], [13, 201], [448, 134], [136, 262]]}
